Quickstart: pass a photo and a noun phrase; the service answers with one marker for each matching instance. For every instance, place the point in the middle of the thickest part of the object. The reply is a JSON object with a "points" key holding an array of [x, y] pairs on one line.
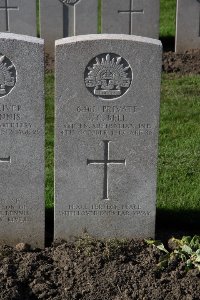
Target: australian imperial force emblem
{"points": [[108, 76], [7, 75], [69, 2]]}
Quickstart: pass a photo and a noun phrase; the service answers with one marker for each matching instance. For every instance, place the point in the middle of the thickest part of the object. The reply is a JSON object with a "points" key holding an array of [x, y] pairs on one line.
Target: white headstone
{"points": [[187, 25], [21, 140], [18, 16], [138, 17], [63, 18], [107, 115]]}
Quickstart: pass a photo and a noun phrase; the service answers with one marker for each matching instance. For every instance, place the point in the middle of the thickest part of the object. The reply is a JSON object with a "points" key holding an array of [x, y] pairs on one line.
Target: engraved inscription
{"points": [[69, 2], [15, 212], [131, 12], [108, 76], [99, 210], [5, 159], [7, 75], [106, 162], [7, 8]]}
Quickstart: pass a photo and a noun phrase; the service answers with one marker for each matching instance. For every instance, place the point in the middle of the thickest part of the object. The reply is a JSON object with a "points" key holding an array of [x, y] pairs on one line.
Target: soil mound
{"points": [[94, 270], [187, 63]]}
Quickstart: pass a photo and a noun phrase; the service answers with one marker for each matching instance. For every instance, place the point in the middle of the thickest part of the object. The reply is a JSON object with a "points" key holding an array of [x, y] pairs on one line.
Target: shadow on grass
{"points": [[168, 43], [49, 226], [177, 223]]}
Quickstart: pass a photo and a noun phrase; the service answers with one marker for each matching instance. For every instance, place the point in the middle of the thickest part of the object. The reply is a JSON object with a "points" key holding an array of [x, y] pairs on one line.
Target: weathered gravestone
{"points": [[139, 17], [187, 25], [18, 16], [107, 113], [63, 18], [21, 140]]}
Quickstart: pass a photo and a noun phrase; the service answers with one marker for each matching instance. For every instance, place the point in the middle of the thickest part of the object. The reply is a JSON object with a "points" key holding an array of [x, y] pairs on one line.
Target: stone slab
{"points": [[187, 25], [18, 16], [21, 140], [60, 18], [138, 17], [107, 115]]}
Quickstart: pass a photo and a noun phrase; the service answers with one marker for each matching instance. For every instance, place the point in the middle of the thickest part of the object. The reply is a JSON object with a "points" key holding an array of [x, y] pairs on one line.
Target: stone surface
{"points": [[107, 113], [18, 16], [60, 18], [187, 25], [139, 17], [21, 140]]}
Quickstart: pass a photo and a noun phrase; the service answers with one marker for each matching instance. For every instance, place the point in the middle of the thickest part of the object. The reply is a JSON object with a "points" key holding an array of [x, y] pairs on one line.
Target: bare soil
{"points": [[94, 270]]}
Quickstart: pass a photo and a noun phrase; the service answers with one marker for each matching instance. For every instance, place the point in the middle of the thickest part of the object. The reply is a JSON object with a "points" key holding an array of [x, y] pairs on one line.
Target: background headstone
{"points": [[139, 17], [21, 140], [18, 16], [63, 18], [187, 25], [107, 113]]}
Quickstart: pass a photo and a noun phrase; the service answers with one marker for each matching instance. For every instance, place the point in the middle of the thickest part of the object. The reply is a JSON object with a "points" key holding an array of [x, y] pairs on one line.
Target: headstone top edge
{"points": [[21, 37], [103, 37]]}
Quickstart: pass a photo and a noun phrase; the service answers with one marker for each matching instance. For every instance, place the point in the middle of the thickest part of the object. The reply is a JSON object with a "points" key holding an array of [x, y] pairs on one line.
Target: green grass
{"points": [[167, 18], [49, 100]]}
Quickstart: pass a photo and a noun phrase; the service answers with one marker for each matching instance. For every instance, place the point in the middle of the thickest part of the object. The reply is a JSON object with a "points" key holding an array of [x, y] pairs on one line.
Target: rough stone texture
{"points": [[19, 17], [117, 198], [143, 21], [187, 25], [21, 140], [58, 20]]}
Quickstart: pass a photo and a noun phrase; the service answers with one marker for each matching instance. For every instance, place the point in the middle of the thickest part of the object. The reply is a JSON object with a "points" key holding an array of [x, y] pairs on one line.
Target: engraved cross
{"points": [[131, 11], [106, 162], [6, 159], [7, 8]]}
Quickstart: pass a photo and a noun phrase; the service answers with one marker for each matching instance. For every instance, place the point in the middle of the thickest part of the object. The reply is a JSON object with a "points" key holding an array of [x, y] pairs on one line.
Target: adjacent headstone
{"points": [[139, 17], [18, 16], [21, 140], [107, 114], [187, 25], [63, 18]]}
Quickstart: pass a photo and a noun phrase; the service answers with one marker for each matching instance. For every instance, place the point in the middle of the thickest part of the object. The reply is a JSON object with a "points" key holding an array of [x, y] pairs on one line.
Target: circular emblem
{"points": [[108, 76], [69, 2], [7, 75]]}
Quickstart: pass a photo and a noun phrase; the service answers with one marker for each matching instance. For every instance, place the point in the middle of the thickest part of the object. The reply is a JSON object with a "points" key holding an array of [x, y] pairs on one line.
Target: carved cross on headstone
{"points": [[131, 11], [6, 159], [7, 8], [106, 162]]}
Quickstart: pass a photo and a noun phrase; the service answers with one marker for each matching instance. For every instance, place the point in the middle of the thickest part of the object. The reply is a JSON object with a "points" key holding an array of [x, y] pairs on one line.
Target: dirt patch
{"points": [[93, 270], [187, 63]]}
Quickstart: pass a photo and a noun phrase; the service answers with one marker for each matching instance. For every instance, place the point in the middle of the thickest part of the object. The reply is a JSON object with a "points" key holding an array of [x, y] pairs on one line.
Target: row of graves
{"points": [[64, 18], [106, 125]]}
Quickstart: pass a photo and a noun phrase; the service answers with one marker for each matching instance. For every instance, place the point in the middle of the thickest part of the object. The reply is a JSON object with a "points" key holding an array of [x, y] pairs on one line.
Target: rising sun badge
{"points": [[108, 76], [7, 75], [69, 2]]}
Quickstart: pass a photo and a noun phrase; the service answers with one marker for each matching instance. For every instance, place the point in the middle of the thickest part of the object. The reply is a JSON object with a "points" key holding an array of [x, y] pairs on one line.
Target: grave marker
{"points": [[72, 17], [187, 25], [21, 140], [139, 17], [107, 113], [18, 16]]}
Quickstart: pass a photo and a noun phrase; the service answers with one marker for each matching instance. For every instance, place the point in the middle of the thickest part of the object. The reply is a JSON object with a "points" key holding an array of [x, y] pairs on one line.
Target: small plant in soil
{"points": [[186, 250]]}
